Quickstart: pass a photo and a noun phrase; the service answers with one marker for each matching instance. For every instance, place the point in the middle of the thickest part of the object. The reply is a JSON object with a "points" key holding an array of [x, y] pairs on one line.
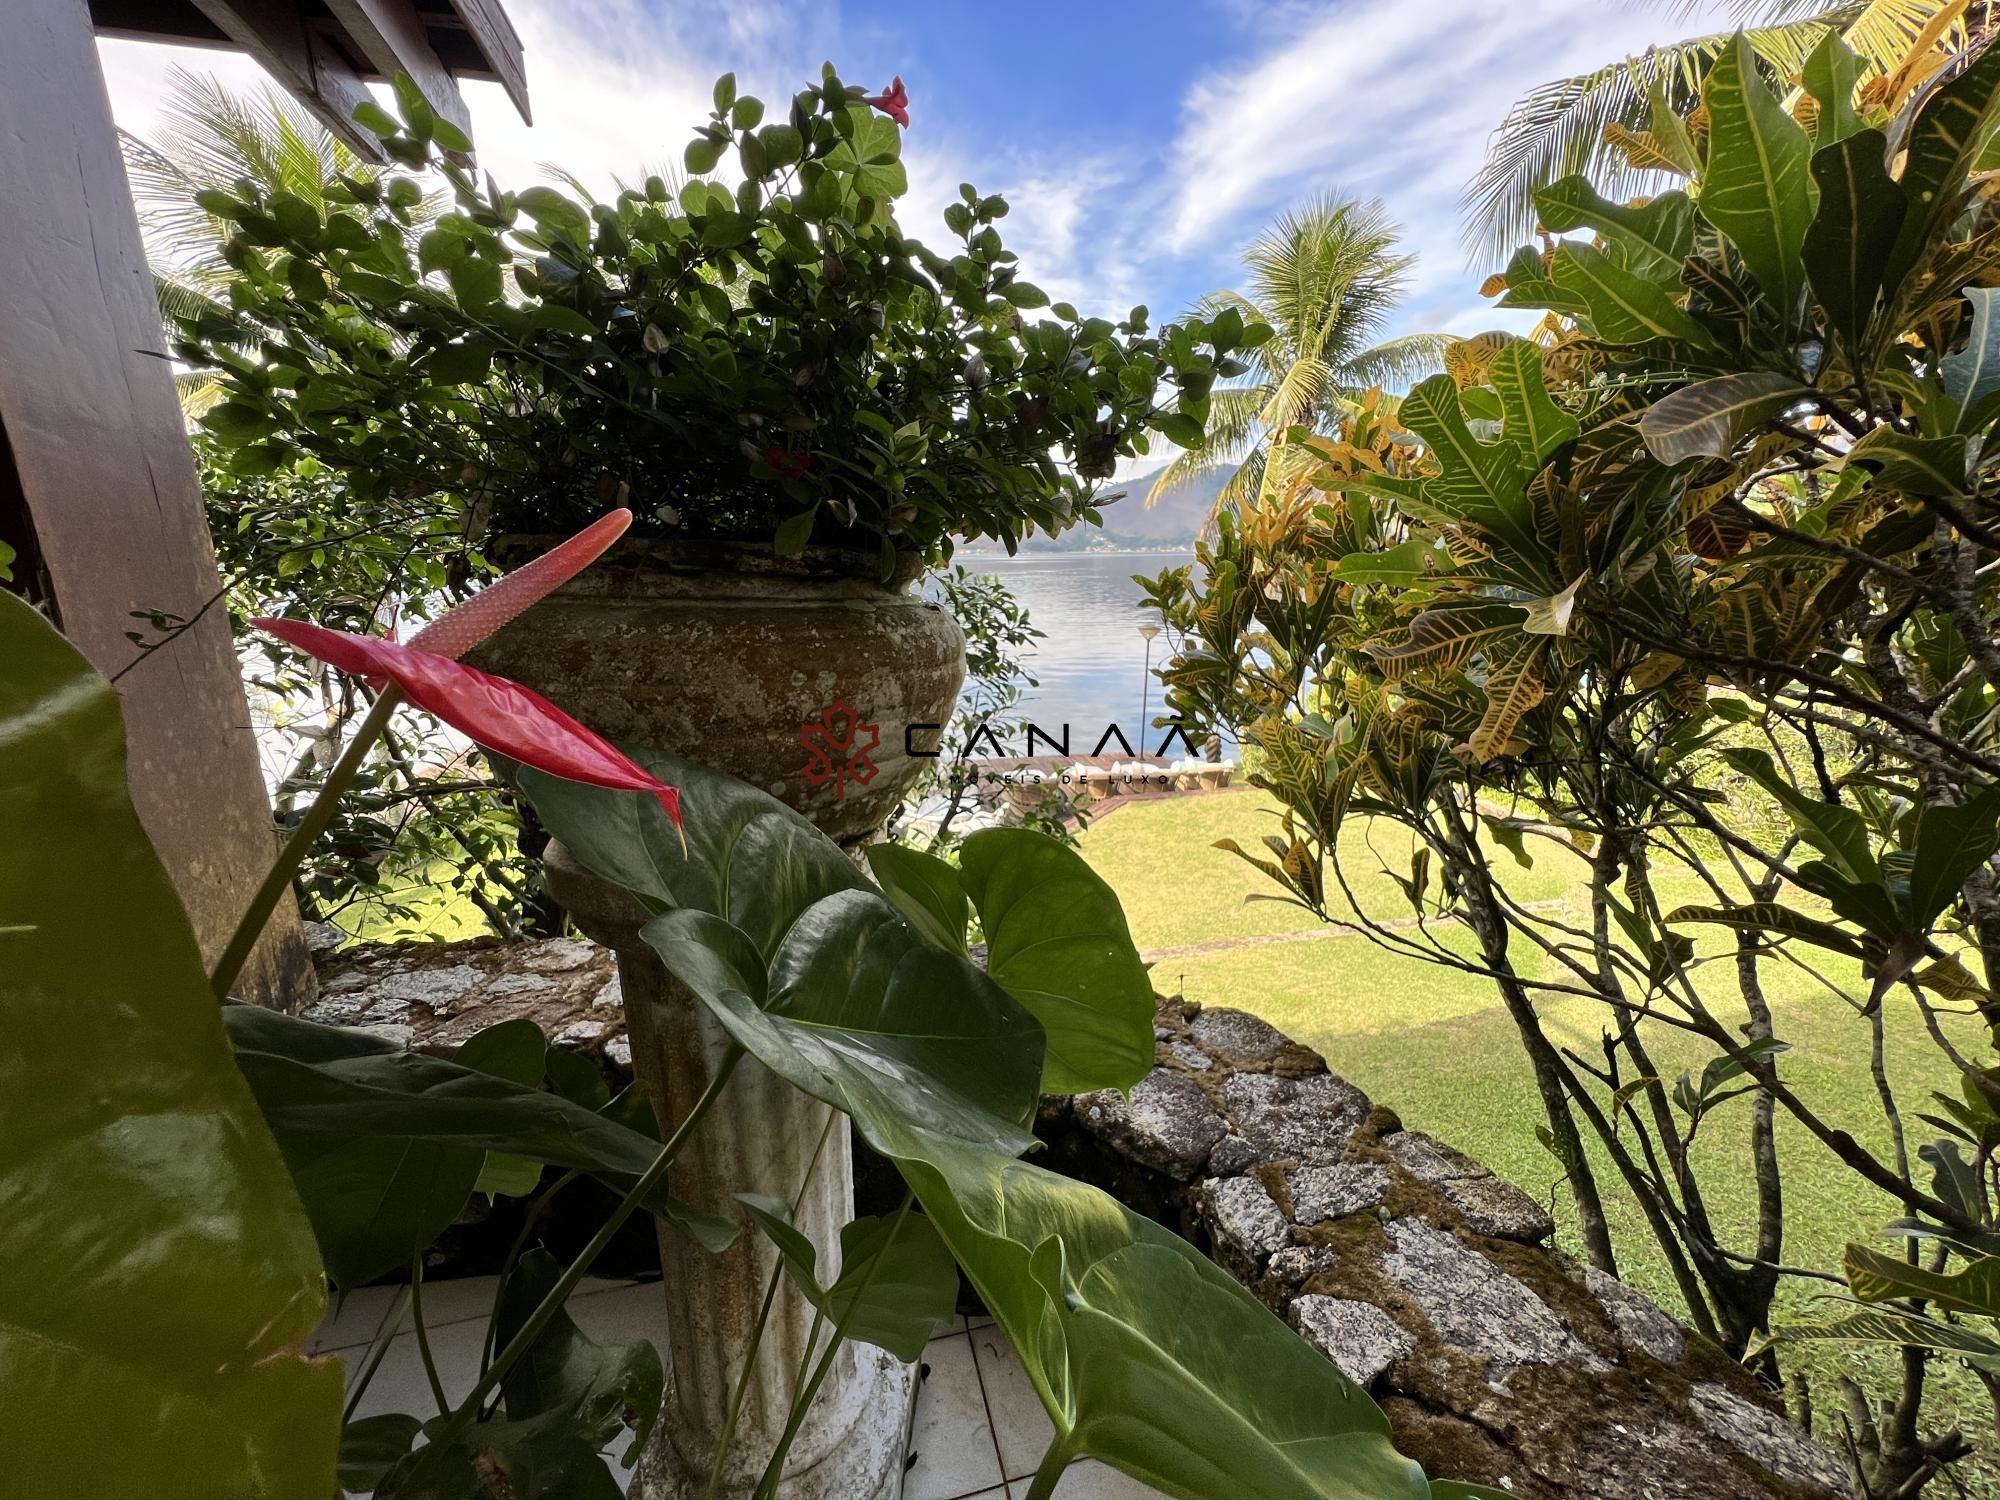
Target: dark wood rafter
{"points": [[325, 52], [98, 493]]}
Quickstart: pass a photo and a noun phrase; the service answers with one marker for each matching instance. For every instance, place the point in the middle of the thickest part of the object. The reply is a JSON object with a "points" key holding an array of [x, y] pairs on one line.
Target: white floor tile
{"points": [[621, 1314], [1021, 1427], [400, 1384], [353, 1321], [952, 1441], [1088, 1479]]}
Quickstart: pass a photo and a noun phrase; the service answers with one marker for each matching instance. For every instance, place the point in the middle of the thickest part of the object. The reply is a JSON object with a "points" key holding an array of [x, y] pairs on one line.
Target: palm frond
{"points": [[1558, 128], [1397, 362], [1233, 436]]}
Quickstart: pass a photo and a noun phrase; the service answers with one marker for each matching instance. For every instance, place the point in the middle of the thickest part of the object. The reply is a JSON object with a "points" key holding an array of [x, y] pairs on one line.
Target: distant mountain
{"points": [[1129, 526]]}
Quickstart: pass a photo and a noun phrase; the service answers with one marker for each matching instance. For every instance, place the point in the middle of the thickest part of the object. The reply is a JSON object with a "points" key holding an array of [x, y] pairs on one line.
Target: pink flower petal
{"points": [[456, 632], [503, 716]]}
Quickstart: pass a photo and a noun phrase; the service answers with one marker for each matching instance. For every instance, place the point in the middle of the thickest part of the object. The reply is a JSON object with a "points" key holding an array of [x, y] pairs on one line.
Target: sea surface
{"points": [[1090, 667]]}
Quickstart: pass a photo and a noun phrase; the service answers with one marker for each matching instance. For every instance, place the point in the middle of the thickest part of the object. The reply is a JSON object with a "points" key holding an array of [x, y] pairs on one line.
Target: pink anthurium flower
{"points": [[500, 715], [894, 102]]}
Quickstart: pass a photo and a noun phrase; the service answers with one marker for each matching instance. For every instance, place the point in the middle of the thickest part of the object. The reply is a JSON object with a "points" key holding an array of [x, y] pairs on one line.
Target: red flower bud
{"points": [[893, 102]]}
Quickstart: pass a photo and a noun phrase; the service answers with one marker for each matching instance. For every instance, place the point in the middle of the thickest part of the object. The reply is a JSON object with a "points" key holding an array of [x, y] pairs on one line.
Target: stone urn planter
{"points": [[727, 653], [799, 676]]}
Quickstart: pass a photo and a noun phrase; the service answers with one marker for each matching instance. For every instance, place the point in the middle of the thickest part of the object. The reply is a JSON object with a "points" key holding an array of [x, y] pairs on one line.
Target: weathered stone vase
{"points": [[751, 663], [726, 653]]}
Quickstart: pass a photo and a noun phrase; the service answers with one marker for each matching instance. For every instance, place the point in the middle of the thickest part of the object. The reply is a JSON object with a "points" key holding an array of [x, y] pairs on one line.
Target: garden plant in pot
{"points": [[803, 405]]}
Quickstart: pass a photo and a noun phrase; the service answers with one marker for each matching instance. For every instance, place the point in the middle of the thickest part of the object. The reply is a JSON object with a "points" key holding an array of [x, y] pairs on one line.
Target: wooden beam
{"points": [[390, 35], [99, 460], [304, 60], [500, 44]]}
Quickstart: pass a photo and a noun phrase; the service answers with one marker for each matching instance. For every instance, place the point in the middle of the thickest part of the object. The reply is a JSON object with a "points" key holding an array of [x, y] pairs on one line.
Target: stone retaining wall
{"points": [[1424, 1276], [1427, 1279]]}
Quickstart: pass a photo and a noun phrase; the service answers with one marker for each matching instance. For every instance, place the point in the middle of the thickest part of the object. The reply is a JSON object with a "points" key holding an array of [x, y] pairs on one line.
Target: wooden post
{"points": [[102, 483]]}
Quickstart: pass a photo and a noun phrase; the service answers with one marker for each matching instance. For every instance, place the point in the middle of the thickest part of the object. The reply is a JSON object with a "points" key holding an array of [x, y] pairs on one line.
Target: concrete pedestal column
{"points": [[760, 1136]]}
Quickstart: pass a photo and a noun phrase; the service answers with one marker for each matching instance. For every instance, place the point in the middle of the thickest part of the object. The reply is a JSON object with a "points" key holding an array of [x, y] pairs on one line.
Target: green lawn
{"points": [[1434, 1045]]}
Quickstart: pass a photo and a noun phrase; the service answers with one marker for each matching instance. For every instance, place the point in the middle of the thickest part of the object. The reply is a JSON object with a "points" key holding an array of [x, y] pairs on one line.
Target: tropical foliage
{"points": [[1693, 588], [774, 361], [181, 1326], [1610, 123], [1324, 280]]}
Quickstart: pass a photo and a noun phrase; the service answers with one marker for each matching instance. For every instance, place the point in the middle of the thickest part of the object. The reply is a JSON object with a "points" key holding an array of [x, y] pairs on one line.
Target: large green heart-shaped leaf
{"points": [[1145, 1354], [750, 859], [1757, 188], [855, 1008], [1056, 940], [323, 1089], [157, 1274], [897, 1285]]}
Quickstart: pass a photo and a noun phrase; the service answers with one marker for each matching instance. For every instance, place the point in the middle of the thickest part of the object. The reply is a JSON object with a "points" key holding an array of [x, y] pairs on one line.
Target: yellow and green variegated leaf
{"points": [[1875, 1277], [1710, 417], [1757, 188], [1771, 917], [1483, 485], [1513, 687], [1972, 376], [1898, 1329], [1915, 465], [1622, 308], [1660, 231], [1860, 212], [1532, 422], [1831, 75], [1943, 142], [1550, 616], [1447, 636]]}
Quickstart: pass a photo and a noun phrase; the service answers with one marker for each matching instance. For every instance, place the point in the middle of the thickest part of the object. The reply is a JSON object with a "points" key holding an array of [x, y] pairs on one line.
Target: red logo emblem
{"points": [[837, 746]]}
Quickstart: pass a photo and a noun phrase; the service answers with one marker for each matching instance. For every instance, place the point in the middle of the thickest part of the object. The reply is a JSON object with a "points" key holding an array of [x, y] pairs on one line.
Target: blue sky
{"points": [[1140, 146]]}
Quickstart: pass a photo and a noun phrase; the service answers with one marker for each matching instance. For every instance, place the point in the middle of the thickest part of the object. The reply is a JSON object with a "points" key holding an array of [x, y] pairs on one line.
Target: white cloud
{"points": [[1365, 97]]}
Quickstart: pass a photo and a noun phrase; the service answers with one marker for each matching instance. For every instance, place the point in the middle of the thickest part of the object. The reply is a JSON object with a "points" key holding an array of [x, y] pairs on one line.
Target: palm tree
{"points": [[1596, 122], [210, 137], [1324, 278]]}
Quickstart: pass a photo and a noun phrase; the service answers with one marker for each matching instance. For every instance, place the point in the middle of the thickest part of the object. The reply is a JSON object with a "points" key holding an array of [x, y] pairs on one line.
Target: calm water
{"points": [[1091, 664]]}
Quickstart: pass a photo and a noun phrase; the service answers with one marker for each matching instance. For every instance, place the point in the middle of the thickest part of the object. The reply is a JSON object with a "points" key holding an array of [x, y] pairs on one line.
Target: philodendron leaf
{"points": [[1972, 376], [750, 859], [1840, 833], [898, 1283], [925, 890], [1952, 842], [323, 1088], [1708, 418], [1056, 940], [1757, 188], [1143, 1352], [157, 1274], [1847, 249], [599, 1388], [858, 1010]]}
